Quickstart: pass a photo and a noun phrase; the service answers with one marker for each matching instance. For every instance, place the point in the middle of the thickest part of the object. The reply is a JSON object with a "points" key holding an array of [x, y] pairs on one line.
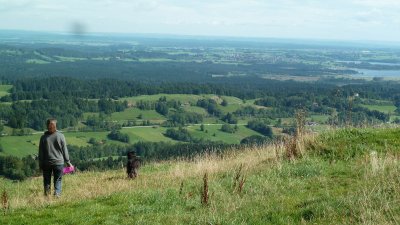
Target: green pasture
{"points": [[249, 101], [211, 120], [156, 60], [288, 121], [43, 57], [230, 99], [381, 108], [20, 145], [82, 138], [230, 108], [392, 118], [133, 114], [25, 145], [150, 134], [5, 89], [243, 120], [128, 60], [87, 114], [8, 130], [5, 103], [195, 109], [319, 118], [69, 59], [210, 130], [183, 98], [36, 61], [101, 58], [10, 52]]}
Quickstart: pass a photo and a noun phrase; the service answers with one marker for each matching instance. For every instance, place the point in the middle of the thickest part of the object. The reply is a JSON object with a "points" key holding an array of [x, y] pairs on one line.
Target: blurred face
{"points": [[52, 127]]}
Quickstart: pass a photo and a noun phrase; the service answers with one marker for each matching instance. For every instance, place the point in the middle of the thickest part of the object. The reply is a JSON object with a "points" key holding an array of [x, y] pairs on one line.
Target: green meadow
{"points": [[4, 90], [150, 134], [319, 118], [195, 109], [381, 108], [183, 98], [134, 113], [37, 61], [20, 145], [213, 132], [26, 145]]}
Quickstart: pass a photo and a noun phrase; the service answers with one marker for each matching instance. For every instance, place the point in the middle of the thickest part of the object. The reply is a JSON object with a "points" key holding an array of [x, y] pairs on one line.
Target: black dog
{"points": [[132, 165]]}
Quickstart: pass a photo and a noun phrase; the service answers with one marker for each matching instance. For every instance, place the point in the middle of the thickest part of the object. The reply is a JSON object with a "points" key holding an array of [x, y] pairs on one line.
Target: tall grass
{"points": [[89, 185], [379, 198], [253, 185]]}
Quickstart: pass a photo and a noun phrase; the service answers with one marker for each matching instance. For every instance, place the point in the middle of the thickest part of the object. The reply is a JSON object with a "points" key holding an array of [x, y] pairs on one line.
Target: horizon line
{"points": [[385, 43]]}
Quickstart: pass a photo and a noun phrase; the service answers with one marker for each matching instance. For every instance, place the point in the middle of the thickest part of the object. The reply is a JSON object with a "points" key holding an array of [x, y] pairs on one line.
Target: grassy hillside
{"points": [[342, 177]]}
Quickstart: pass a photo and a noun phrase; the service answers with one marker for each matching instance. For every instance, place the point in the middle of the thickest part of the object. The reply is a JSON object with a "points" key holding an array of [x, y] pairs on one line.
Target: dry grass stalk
{"points": [[5, 201], [238, 180], [300, 122], [349, 118], [204, 193], [181, 188], [291, 148], [294, 145], [241, 184], [237, 177], [374, 162]]}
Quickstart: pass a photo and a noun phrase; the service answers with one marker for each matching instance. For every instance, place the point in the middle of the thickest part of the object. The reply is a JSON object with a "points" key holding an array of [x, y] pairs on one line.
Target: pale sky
{"points": [[324, 19]]}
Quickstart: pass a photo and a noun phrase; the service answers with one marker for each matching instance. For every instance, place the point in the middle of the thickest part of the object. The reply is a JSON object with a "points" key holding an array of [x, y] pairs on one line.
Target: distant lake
{"points": [[374, 73], [372, 63], [384, 64], [377, 73]]}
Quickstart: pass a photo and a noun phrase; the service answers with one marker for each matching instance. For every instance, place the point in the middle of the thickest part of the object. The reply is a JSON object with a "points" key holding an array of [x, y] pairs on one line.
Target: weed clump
{"points": [[204, 193], [238, 180]]}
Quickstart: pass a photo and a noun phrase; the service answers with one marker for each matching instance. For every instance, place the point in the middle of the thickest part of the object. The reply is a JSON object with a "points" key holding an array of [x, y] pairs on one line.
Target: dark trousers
{"points": [[57, 171]]}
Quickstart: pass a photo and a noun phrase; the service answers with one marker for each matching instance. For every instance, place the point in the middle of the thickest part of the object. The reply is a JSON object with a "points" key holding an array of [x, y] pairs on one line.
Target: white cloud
{"points": [[294, 18]]}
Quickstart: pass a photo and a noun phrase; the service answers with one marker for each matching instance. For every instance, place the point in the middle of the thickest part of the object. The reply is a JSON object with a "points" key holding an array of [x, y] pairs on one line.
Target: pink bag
{"points": [[68, 169]]}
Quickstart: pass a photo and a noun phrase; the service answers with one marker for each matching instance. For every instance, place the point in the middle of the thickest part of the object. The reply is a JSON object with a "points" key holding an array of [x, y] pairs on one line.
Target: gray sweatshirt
{"points": [[53, 149]]}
